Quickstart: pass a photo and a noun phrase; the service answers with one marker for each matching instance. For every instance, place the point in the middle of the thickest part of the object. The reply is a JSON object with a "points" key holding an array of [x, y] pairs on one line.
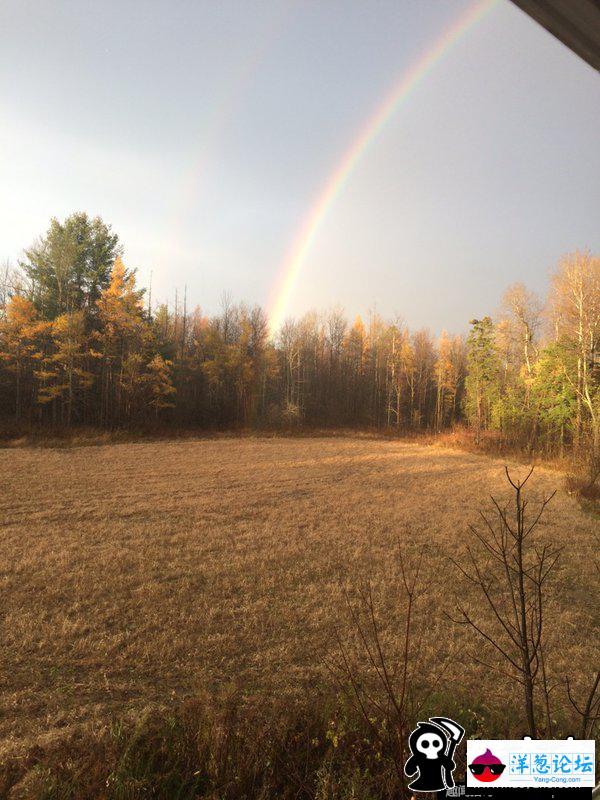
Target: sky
{"points": [[204, 132]]}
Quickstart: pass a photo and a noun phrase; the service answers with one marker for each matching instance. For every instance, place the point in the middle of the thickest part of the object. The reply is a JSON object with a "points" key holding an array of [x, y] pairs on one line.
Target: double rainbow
{"points": [[303, 242]]}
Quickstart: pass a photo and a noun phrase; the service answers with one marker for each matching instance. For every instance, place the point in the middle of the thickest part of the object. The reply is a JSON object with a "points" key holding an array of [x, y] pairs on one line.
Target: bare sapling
{"points": [[510, 571], [389, 694], [589, 710]]}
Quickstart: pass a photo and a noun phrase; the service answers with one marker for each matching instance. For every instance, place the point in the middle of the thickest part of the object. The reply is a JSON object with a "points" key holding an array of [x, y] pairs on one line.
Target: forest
{"points": [[82, 344]]}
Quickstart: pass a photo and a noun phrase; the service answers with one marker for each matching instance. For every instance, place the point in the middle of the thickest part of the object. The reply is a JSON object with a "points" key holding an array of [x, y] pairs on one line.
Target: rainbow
{"points": [[335, 183]]}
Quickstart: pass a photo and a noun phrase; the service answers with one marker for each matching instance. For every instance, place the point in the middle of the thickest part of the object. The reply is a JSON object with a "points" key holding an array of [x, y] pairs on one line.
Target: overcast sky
{"points": [[204, 131]]}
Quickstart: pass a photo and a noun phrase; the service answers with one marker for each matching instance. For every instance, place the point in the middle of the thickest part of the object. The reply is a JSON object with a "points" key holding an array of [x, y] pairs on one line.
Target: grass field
{"points": [[134, 575]]}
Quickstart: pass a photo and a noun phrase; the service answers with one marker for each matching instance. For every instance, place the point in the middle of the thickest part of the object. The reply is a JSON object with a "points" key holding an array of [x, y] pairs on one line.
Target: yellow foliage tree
{"points": [[123, 332], [160, 387], [575, 308], [18, 332], [63, 374]]}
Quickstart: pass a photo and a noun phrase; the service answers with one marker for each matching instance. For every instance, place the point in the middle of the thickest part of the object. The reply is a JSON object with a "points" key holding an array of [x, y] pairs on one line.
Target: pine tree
{"points": [[553, 393], [482, 373], [70, 266]]}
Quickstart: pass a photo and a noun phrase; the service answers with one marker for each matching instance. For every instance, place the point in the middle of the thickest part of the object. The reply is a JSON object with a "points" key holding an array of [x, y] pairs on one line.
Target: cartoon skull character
{"points": [[428, 744]]}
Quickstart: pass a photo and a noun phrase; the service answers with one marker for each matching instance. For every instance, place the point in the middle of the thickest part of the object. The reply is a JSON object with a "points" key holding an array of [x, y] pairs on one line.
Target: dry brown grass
{"points": [[134, 575]]}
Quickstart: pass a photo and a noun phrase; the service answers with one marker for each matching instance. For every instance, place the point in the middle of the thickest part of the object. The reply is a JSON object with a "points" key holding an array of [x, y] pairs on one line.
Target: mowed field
{"points": [[138, 574]]}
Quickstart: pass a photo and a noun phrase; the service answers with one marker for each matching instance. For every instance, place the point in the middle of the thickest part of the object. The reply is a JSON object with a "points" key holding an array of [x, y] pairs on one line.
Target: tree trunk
{"points": [[523, 632]]}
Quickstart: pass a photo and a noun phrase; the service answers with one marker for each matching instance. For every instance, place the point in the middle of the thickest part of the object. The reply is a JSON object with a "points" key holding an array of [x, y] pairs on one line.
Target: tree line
{"points": [[80, 344]]}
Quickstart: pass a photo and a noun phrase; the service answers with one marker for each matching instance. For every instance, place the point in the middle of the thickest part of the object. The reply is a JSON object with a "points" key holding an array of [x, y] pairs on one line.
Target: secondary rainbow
{"points": [[336, 181], [219, 117]]}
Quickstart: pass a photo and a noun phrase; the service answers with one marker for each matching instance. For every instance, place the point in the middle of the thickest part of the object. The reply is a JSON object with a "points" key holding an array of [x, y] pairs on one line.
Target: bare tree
{"points": [[575, 308], [510, 575], [523, 309], [389, 695], [590, 710]]}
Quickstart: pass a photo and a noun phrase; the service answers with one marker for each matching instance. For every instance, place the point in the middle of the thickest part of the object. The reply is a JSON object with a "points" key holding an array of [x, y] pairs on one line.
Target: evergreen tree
{"points": [[482, 373], [70, 266], [553, 393]]}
